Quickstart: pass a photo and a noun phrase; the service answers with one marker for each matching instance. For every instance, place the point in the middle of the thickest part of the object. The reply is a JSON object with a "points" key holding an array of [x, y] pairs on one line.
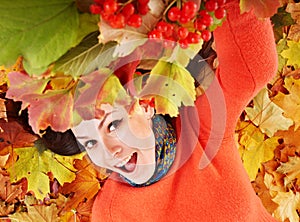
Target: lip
{"points": [[124, 161], [121, 165]]}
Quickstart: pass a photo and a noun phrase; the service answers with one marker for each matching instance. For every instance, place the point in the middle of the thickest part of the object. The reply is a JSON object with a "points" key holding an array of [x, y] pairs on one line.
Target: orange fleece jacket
{"points": [[211, 185]]}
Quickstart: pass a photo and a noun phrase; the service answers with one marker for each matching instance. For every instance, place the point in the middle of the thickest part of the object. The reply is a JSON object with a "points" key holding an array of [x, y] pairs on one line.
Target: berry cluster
{"points": [[186, 24], [118, 14]]}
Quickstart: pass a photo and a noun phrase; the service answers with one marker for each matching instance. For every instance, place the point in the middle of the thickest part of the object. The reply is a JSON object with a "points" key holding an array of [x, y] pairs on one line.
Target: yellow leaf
{"points": [[291, 169], [35, 165], [172, 85], [41, 213], [290, 103], [292, 54], [267, 115], [257, 149], [288, 204]]}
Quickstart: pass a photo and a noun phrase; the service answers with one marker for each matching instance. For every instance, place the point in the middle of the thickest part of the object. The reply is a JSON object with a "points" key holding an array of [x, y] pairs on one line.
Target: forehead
{"points": [[86, 127]]}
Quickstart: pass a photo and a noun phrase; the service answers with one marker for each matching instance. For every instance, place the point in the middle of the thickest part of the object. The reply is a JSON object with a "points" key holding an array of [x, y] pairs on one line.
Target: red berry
{"points": [[144, 2], [155, 34], [184, 19], [135, 20], [183, 43], [193, 38], [169, 43], [99, 2], [95, 9], [182, 32], [143, 9], [220, 13], [128, 10], [198, 24], [207, 20], [206, 35], [221, 2], [203, 13], [117, 21], [110, 6], [211, 5], [189, 9], [174, 14]]}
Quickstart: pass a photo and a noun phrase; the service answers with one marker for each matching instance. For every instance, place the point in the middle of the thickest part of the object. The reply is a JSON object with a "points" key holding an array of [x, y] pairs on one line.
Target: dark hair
{"points": [[62, 143]]}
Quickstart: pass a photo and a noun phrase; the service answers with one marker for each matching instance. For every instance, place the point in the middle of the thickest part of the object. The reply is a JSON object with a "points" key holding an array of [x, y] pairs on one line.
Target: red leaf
{"points": [[53, 108], [14, 135]]}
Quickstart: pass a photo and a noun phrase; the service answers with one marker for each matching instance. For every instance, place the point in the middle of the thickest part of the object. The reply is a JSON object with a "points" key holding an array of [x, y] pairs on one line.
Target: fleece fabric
{"points": [[207, 181]]}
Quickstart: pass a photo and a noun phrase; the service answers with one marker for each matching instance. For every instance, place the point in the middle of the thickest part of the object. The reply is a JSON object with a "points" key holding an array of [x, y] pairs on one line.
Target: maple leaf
{"points": [[41, 213], [171, 85], [290, 137], [257, 149], [290, 103], [129, 38], [51, 108], [35, 165], [85, 186], [267, 115], [262, 188], [13, 134], [262, 8], [291, 170], [281, 19], [288, 203], [291, 54], [21, 84]]}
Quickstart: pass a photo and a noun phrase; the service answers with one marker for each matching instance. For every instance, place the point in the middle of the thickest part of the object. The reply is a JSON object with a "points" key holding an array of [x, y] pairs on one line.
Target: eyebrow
{"points": [[81, 137], [104, 118]]}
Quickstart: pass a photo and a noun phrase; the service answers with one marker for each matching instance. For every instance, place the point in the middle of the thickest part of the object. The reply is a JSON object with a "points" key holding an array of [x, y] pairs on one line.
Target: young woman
{"points": [[188, 169]]}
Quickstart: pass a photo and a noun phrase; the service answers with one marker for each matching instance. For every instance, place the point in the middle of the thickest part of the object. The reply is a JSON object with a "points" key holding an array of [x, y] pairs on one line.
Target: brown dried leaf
{"points": [[263, 192], [290, 136], [291, 170], [14, 135]]}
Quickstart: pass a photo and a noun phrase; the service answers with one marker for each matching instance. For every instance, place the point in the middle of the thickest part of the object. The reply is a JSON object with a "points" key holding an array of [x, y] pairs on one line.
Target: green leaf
{"points": [[40, 31], [171, 85], [281, 45], [86, 57], [292, 54], [267, 115], [280, 19], [35, 165]]}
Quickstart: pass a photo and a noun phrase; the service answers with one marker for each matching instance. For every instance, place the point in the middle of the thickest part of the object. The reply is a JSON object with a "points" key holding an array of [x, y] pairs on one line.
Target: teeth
{"points": [[121, 164]]}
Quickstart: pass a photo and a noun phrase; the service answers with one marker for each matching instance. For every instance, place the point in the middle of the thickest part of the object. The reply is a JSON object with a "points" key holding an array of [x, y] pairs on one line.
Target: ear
{"points": [[147, 108]]}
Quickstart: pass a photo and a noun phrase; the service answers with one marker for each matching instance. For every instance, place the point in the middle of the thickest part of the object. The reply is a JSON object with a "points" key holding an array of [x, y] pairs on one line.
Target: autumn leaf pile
{"points": [[37, 185]]}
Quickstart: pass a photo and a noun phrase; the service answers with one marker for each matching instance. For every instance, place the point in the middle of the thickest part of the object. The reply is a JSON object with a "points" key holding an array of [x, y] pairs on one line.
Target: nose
{"points": [[114, 150]]}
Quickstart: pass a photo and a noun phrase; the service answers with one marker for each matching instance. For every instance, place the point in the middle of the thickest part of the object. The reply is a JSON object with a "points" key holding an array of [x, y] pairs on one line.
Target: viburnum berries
{"points": [[183, 22]]}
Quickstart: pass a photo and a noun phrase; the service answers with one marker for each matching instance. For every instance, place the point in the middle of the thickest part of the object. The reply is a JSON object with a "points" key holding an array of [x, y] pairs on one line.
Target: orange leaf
{"points": [[85, 186]]}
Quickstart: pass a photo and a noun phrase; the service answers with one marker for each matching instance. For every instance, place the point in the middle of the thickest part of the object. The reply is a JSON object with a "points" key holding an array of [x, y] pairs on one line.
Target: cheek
{"points": [[140, 127]]}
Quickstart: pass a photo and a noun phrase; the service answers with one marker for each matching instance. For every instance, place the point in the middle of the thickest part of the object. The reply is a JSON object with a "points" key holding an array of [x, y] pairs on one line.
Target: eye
{"points": [[90, 144], [114, 125]]}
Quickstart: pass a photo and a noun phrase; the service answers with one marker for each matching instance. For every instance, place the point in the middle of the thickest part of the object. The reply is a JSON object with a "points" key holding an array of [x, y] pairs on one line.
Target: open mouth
{"points": [[129, 164]]}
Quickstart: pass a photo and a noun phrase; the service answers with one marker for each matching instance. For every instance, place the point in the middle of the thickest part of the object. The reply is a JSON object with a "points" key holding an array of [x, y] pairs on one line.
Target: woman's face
{"points": [[121, 142]]}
